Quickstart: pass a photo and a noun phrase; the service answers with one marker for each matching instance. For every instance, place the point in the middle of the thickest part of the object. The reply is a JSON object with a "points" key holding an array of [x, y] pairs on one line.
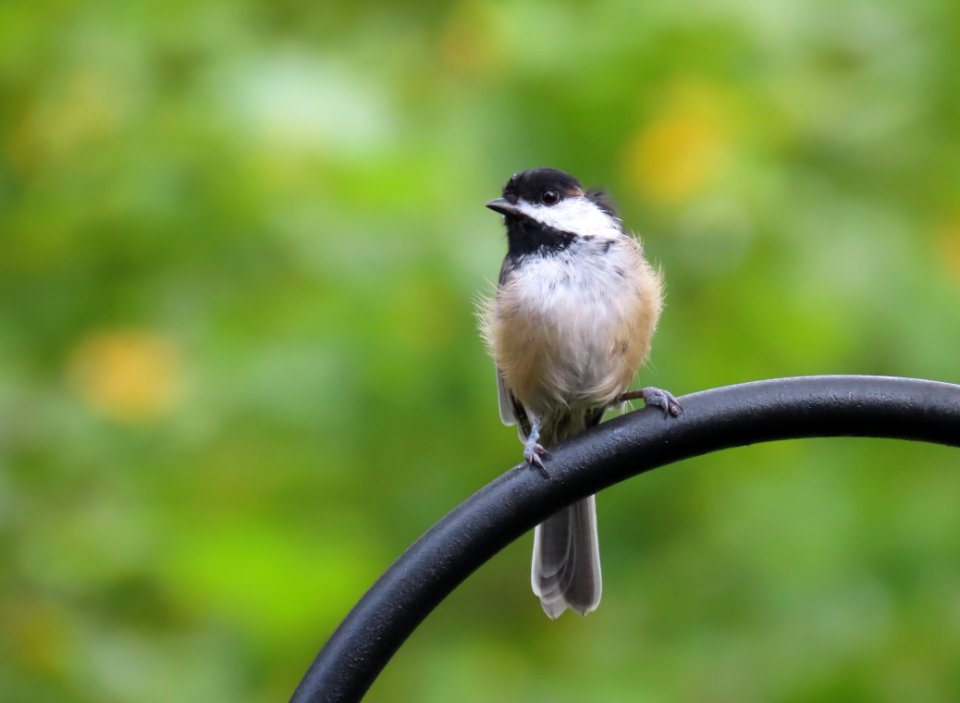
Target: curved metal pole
{"points": [[510, 505]]}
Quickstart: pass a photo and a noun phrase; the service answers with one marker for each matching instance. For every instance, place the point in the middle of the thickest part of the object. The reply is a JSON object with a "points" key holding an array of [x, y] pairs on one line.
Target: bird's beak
{"points": [[503, 206]]}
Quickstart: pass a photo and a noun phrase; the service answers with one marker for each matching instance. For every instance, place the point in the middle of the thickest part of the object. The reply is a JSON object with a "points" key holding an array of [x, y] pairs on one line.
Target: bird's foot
{"points": [[532, 453], [656, 397]]}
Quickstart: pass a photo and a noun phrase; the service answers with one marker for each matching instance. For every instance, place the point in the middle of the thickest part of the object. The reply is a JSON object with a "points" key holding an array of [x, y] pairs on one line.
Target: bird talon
{"points": [[662, 399], [532, 453]]}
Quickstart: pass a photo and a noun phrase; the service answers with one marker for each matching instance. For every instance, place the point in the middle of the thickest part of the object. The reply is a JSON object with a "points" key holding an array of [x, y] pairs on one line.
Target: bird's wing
{"points": [[512, 411], [507, 414]]}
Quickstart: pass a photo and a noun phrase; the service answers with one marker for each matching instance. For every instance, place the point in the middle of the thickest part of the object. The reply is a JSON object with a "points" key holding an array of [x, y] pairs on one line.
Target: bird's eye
{"points": [[550, 197]]}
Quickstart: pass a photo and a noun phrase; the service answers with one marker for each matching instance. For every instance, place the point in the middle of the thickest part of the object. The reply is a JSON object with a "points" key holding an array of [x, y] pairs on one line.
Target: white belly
{"points": [[573, 328]]}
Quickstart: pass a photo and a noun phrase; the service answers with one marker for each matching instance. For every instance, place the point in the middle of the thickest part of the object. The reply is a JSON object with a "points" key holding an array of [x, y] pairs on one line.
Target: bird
{"points": [[569, 326]]}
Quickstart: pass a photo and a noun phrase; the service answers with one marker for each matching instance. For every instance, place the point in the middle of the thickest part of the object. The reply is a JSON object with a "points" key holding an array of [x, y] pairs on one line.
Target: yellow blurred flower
{"points": [[128, 375], [40, 632], [677, 154], [85, 109], [472, 40]]}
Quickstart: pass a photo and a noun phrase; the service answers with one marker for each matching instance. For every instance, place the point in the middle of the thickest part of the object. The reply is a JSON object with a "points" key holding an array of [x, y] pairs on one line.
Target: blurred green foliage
{"points": [[240, 248]]}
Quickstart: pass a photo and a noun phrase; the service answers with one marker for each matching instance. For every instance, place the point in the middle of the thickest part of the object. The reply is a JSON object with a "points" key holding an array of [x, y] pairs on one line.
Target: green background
{"points": [[241, 245]]}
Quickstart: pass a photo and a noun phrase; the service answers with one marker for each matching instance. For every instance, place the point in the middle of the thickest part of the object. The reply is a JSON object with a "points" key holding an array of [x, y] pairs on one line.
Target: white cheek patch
{"points": [[575, 215]]}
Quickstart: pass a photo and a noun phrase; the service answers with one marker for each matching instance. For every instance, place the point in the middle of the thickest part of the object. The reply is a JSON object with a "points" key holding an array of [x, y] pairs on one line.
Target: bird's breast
{"points": [[574, 327]]}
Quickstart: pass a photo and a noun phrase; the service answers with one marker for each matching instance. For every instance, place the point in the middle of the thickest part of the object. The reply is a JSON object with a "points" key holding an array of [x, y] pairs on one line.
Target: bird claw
{"points": [[657, 397], [532, 451], [662, 399]]}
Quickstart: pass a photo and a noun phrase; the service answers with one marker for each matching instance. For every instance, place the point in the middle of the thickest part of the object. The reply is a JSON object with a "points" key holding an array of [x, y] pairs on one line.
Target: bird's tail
{"points": [[566, 560]]}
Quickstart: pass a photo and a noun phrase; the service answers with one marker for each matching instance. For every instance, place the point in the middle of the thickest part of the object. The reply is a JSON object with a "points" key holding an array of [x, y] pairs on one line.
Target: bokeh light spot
{"points": [[677, 153], [128, 375], [472, 40]]}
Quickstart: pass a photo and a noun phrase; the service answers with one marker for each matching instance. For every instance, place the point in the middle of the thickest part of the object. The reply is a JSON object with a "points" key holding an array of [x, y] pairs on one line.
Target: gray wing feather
{"points": [[507, 416]]}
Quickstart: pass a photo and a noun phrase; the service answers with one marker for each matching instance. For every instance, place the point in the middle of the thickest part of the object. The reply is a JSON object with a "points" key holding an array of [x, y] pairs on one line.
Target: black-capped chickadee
{"points": [[571, 323]]}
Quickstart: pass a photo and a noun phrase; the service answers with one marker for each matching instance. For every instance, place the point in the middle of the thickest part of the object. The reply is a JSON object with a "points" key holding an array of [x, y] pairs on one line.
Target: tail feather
{"points": [[566, 560]]}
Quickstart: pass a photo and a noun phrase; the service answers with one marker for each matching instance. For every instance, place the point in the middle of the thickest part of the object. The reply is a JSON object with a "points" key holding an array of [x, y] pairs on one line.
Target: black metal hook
{"points": [[510, 505]]}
